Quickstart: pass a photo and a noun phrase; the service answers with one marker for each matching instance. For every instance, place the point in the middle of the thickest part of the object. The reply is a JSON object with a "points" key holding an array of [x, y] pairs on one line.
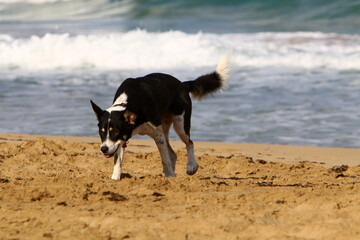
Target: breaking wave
{"points": [[140, 49]]}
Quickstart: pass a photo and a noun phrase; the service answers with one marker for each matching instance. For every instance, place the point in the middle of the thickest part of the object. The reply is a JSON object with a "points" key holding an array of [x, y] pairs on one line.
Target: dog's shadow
{"points": [[126, 175]]}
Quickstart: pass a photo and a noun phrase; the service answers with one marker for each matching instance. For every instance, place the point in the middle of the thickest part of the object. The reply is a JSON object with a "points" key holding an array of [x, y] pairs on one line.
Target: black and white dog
{"points": [[149, 105]]}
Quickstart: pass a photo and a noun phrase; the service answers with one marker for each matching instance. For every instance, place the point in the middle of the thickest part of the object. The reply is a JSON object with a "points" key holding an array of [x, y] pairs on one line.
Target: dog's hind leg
{"points": [[166, 124], [182, 128], [118, 160]]}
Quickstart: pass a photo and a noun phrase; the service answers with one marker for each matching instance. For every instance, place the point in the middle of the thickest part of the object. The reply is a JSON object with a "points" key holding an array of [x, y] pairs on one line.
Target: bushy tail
{"points": [[211, 83]]}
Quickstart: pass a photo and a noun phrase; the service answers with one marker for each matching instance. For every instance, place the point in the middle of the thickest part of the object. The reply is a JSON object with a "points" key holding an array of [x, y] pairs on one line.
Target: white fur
{"points": [[192, 165], [119, 158], [122, 99], [110, 144], [223, 69]]}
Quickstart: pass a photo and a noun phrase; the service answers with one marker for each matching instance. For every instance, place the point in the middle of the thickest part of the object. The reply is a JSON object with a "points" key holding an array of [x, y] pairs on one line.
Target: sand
{"points": [[54, 187]]}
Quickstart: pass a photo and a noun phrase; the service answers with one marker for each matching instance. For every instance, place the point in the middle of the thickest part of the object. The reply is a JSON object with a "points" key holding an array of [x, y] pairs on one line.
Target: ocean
{"points": [[295, 75]]}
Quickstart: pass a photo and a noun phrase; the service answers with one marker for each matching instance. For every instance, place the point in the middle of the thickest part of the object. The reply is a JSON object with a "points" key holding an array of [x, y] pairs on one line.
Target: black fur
{"points": [[204, 85], [152, 96], [157, 94]]}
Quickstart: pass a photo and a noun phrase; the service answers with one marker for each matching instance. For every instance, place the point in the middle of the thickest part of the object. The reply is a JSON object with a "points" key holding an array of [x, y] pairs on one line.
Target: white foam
{"points": [[139, 49]]}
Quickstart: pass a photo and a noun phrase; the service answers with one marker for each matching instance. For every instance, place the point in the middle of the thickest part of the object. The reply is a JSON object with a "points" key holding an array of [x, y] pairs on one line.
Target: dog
{"points": [[149, 105]]}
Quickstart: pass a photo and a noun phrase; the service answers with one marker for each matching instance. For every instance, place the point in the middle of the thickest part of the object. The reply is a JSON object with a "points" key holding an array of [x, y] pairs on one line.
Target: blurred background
{"points": [[295, 65]]}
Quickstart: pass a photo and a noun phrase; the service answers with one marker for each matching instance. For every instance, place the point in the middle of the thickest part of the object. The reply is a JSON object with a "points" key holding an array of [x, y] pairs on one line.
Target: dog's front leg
{"points": [[118, 160]]}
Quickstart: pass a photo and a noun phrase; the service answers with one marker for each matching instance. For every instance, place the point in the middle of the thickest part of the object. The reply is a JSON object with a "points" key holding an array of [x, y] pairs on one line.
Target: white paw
{"points": [[116, 176]]}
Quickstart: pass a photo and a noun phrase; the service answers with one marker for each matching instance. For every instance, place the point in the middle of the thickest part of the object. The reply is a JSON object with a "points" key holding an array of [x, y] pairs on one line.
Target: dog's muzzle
{"points": [[105, 151]]}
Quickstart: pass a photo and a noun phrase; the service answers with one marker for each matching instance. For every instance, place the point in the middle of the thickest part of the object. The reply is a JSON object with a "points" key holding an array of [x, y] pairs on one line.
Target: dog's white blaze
{"points": [[112, 146], [122, 99], [108, 143], [223, 69]]}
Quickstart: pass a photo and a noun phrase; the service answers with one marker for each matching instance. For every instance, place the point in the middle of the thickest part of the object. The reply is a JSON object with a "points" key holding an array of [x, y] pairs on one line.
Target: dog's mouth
{"points": [[109, 155]]}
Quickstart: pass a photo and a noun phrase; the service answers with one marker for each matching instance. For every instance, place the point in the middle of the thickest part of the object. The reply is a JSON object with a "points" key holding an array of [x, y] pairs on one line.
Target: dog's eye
{"points": [[113, 131], [102, 131]]}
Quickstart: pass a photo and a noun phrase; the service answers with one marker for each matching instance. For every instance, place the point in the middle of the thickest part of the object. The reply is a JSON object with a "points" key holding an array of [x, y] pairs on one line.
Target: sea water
{"points": [[295, 75]]}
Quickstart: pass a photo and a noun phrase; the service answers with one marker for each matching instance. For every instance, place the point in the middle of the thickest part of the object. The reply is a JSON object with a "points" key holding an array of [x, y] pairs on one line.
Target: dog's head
{"points": [[116, 125]]}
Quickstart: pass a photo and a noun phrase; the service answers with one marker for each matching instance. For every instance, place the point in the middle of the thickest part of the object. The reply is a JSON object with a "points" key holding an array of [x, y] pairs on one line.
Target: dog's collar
{"points": [[125, 144]]}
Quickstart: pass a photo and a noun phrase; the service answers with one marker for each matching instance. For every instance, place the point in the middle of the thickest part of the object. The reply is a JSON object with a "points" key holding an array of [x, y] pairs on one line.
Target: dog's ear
{"points": [[130, 117], [97, 110]]}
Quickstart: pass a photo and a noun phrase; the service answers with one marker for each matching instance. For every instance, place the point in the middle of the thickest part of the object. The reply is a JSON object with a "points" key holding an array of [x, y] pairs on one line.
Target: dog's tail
{"points": [[210, 83]]}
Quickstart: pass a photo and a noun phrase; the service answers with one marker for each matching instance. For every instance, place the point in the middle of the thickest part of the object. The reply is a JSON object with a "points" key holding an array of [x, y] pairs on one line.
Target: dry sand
{"points": [[60, 188]]}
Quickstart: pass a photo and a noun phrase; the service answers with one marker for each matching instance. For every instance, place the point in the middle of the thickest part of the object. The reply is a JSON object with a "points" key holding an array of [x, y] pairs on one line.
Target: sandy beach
{"points": [[55, 187]]}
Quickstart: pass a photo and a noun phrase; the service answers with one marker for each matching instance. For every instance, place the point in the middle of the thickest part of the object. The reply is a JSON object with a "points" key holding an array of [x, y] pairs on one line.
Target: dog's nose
{"points": [[104, 149]]}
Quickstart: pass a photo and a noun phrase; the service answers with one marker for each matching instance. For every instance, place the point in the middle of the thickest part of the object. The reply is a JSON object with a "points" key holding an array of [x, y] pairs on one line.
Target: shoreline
{"points": [[290, 154]]}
